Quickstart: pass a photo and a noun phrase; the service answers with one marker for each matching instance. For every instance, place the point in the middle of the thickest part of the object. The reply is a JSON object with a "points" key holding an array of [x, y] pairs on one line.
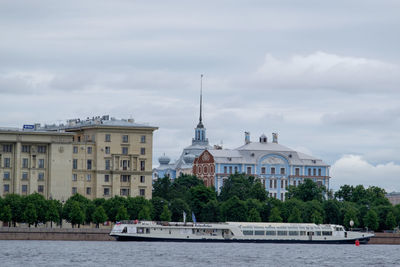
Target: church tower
{"points": [[200, 131]]}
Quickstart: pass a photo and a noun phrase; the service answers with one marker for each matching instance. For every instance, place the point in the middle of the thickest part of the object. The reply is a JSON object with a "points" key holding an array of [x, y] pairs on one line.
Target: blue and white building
{"points": [[276, 166]]}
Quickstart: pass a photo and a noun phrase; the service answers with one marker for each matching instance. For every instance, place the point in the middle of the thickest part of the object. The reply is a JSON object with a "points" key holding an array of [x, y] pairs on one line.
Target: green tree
{"points": [[145, 213], [316, 217], [30, 215], [288, 206], [76, 215], [313, 212], [350, 215], [295, 216], [53, 212], [390, 221], [166, 214], [307, 191], [211, 211], [331, 211], [158, 205], [90, 209], [177, 207], [371, 220], [200, 195], [243, 187], [112, 205], [6, 215], [275, 215], [254, 216], [14, 201], [162, 188], [99, 216], [122, 214], [135, 205], [41, 206], [234, 210]]}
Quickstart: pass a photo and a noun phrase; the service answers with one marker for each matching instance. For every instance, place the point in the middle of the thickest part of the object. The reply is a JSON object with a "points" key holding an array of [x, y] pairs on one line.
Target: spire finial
{"points": [[201, 97]]}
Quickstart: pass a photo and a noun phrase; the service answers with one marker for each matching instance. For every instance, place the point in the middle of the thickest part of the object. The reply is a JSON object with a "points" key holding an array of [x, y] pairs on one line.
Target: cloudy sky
{"points": [[325, 75]]}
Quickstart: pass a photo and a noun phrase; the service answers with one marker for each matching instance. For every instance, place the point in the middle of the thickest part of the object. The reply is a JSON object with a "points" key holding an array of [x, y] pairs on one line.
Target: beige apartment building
{"points": [[97, 158]]}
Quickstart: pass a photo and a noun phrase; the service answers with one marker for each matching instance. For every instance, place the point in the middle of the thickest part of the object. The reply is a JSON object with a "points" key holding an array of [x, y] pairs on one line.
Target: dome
{"points": [[189, 158], [164, 160]]}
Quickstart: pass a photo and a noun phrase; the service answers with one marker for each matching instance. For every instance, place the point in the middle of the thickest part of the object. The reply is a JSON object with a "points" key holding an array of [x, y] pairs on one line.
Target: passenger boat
{"points": [[246, 232]]}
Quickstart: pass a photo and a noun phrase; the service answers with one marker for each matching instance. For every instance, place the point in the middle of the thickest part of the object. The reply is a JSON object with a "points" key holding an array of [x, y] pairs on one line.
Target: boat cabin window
{"points": [[317, 232], [247, 231], [292, 233], [140, 230], [302, 232], [280, 232], [147, 230], [326, 232], [270, 232], [259, 232]]}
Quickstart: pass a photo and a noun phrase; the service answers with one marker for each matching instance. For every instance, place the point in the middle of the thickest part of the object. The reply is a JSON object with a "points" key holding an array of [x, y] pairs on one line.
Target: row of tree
{"points": [[242, 198]]}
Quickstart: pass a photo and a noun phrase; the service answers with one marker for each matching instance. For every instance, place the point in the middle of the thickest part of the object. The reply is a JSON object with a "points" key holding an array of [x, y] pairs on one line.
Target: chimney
{"points": [[275, 138], [246, 138]]}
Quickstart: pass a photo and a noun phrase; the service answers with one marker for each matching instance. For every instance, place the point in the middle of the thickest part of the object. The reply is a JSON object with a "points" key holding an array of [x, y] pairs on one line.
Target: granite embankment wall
{"points": [[75, 234], [386, 239]]}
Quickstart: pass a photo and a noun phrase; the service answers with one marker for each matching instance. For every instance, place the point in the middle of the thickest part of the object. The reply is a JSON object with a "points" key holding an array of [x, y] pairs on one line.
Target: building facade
{"points": [[275, 165], [97, 158]]}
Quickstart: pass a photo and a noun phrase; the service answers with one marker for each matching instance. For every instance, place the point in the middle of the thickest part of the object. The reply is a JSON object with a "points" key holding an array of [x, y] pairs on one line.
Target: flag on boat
{"points": [[117, 223], [184, 216], [193, 217]]}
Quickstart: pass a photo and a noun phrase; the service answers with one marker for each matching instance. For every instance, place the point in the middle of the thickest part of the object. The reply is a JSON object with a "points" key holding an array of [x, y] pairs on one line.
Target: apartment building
{"points": [[101, 157]]}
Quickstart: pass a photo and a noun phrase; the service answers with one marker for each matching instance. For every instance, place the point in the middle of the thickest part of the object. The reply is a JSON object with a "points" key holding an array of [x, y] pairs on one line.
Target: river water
{"points": [[82, 253]]}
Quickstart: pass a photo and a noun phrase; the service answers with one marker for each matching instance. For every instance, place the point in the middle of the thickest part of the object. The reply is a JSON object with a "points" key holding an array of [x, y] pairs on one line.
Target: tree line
{"points": [[242, 198]]}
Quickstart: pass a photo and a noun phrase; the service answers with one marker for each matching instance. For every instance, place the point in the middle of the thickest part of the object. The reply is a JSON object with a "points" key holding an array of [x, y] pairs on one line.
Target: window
{"points": [[248, 170], [89, 164], [270, 184], [273, 170], [125, 139], [24, 188], [40, 188], [107, 150], [88, 177], [275, 184], [314, 172], [225, 169], [41, 149], [142, 192], [7, 148], [282, 183], [74, 191], [108, 165], [108, 137], [285, 183], [124, 192], [309, 172], [79, 138], [124, 150], [125, 164], [75, 150], [88, 190], [24, 176], [297, 170], [142, 179], [7, 162], [106, 178], [230, 169], [282, 170], [142, 151], [75, 164], [125, 178], [236, 169], [282, 196], [262, 170], [24, 163], [294, 183], [89, 150], [41, 164], [6, 188], [106, 191], [6, 176], [143, 139], [74, 177], [142, 165], [25, 149], [41, 176], [319, 172]]}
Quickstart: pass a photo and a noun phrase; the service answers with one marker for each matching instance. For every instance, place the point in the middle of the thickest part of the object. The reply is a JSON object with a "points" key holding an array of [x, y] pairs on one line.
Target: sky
{"points": [[324, 75]]}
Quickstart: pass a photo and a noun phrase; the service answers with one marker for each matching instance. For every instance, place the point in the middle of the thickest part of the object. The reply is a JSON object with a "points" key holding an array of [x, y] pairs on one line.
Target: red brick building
{"points": [[204, 168]]}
